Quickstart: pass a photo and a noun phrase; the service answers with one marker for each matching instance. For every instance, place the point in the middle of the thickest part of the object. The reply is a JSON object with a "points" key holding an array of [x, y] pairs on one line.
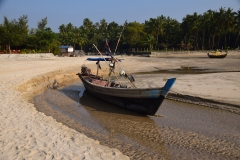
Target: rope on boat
{"points": [[117, 63], [120, 65], [105, 61], [125, 78], [100, 53], [115, 59]]}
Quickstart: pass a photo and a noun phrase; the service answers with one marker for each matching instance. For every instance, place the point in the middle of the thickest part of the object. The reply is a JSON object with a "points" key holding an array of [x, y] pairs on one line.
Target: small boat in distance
{"points": [[217, 54], [141, 100]]}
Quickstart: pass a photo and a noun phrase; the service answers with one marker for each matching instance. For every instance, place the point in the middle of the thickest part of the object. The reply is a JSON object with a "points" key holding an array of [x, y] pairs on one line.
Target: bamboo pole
{"points": [[119, 37]]}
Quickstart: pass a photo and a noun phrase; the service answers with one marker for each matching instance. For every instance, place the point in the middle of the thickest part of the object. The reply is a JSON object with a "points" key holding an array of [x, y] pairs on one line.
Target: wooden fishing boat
{"points": [[142, 100], [217, 54]]}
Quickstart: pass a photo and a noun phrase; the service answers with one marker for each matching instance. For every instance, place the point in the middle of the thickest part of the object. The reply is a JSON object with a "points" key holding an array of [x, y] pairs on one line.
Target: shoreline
{"points": [[26, 132]]}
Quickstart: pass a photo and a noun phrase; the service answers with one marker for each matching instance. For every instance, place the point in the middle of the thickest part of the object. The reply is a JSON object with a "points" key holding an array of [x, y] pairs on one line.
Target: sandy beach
{"points": [[26, 133]]}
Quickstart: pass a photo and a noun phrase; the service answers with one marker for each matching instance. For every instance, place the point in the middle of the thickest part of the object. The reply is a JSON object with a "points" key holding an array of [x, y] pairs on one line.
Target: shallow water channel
{"points": [[183, 131]]}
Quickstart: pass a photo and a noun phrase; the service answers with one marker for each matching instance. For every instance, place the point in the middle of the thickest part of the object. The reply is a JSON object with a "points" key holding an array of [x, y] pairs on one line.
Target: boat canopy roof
{"points": [[102, 59], [99, 59]]}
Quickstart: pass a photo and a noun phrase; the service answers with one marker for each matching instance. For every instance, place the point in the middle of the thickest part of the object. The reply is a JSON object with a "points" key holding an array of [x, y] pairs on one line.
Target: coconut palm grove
{"points": [[211, 30]]}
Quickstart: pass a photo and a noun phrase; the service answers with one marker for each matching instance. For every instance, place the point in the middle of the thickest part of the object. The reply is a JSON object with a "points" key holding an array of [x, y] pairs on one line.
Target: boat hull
{"points": [[217, 55], [145, 101], [146, 106]]}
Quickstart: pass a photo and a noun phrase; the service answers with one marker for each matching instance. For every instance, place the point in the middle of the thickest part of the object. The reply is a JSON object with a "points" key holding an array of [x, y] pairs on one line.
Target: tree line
{"points": [[211, 30]]}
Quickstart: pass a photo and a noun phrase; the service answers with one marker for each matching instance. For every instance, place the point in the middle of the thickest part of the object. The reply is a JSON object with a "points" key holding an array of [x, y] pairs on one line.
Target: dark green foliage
{"points": [[54, 47], [42, 24], [14, 32], [210, 30]]}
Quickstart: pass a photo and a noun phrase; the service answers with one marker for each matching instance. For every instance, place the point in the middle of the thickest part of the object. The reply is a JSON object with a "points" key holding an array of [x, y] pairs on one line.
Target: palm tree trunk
{"points": [[213, 41], [225, 40], [209, 43], [236, 39], [157, 37], [197, 40], [9, 48], [229, 39], [203, 39], [218, 40]]}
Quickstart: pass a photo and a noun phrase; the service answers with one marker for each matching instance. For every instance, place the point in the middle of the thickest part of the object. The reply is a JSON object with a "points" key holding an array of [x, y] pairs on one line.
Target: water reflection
{"points": [[133, 134], [185, 132], [65, 109], [139, 133]]}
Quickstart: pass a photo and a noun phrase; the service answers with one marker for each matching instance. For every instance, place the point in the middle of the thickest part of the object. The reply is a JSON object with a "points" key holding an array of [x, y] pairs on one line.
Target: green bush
{"points": [[23, 51], [54, 47]]}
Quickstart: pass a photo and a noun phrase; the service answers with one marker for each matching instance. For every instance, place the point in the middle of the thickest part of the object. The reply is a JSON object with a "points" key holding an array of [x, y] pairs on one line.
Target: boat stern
{"points": [[168, 85]]}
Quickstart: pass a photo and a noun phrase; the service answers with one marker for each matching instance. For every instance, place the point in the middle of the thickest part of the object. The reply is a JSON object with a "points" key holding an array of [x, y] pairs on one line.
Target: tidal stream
{"points": [[183, 131]]}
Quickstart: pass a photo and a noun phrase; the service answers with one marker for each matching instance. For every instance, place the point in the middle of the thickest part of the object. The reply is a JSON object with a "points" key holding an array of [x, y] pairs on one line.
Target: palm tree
{"points": [[155, 27], [229, 24], [103, 29], [114, 32], [87, 25], [7, 33], [186, 28], [96, 34], [220, 23], [62, 34], [214, 28], [32, 39], [195, 21], [237, 25], [14, 32], [204, 20], [150, 40], [160, 21], [75, 34], [134, 34], [42, 24], [175, 29], [82, 41], [69, 33], [89, 30], [211, 27], [193, 24], [151, 27], [170, 28]]}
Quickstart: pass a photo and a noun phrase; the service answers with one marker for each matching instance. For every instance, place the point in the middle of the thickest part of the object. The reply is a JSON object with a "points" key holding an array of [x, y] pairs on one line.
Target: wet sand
{"points": [[31, 75], [184, 131]]}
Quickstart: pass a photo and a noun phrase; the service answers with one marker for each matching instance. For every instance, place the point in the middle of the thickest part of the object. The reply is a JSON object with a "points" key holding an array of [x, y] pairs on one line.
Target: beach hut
{"points": [[66, 51]]}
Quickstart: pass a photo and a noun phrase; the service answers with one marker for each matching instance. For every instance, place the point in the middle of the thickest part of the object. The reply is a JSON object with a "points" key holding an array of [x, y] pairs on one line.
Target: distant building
{"points": [[66, 51]]}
